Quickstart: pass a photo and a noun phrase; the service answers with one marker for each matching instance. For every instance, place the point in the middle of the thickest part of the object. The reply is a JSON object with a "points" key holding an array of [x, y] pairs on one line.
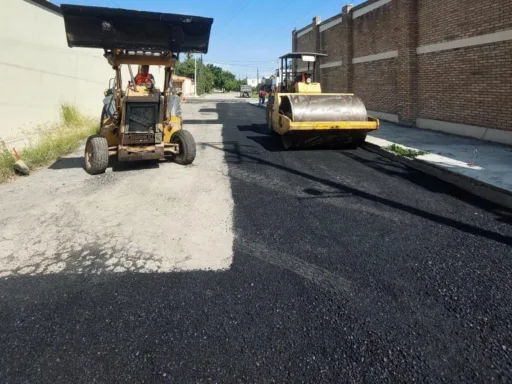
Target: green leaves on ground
{"points": [[405, 151]]}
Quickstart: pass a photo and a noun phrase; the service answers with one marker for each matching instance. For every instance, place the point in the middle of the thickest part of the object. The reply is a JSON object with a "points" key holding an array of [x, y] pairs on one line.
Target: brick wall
{"points": [[375, 84], [331, 77], [468, 86], [375, 81], [388, 52], [376, 31], [307, 41], [454, 19]]}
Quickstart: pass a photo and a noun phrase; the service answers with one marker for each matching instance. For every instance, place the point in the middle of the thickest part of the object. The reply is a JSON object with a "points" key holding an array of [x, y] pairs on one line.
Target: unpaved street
{"points": [[251, 265], [155, 217]]}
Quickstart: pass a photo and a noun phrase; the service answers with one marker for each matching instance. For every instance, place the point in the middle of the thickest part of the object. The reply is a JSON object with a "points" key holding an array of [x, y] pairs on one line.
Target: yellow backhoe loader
{"points": [[139, 121], [303, 116]]}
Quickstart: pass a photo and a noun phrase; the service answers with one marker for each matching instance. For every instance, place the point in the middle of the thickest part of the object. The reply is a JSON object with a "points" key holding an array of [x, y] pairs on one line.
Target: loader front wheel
{"points": [[96, 155], [187, 147]]}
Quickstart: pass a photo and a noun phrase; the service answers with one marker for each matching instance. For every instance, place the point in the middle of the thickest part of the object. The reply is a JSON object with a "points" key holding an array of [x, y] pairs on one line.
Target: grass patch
{"points": [[53, 142], [405, 151], [6, 165]]}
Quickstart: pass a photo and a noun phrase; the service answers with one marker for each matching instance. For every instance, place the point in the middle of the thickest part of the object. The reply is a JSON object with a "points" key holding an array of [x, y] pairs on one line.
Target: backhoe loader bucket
{"points": [[112, 28]]}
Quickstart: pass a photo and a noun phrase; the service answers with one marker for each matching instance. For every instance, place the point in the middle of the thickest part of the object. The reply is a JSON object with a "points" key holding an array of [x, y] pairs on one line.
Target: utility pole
{"points": [[258, 76]]}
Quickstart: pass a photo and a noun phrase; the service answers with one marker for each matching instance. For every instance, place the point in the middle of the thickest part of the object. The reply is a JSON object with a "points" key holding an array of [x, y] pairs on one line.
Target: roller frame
{"points": [[282, 124]]}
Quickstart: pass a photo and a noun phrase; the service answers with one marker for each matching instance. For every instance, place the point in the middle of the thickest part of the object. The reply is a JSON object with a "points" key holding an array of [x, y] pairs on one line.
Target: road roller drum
{"points": [[311, 108]]}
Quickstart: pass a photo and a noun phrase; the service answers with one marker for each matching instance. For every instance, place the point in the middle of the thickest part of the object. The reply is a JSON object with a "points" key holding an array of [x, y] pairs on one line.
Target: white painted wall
{"points": [[40, 72], [187, 87], [253, 82]]}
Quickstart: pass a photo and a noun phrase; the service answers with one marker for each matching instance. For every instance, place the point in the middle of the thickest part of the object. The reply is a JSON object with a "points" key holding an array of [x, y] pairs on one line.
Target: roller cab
{"points": [[302, 115]]}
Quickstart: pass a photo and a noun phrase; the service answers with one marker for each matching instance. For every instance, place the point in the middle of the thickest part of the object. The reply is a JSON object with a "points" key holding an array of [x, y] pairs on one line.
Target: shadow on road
{"points": [[270, 143], [199, 122], [68, 163], [125, 166], [430, 183], [113, 163], [257, 128], [390, 203]]}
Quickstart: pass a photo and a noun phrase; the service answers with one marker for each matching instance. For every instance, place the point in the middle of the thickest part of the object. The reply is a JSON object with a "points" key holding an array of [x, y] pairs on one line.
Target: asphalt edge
{"points": [[258, 105], [476, 187]]}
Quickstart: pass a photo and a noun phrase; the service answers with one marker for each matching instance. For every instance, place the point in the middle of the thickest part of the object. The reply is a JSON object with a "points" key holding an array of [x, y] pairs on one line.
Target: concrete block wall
{"points": [[40, 72], [436, 64]]}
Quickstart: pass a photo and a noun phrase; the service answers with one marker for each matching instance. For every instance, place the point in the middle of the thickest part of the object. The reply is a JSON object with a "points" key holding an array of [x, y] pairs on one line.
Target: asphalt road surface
{"points": [[253, 265]]}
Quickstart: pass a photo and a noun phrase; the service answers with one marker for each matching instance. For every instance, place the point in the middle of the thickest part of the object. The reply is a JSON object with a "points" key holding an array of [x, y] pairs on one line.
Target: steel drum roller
{"points": [[305, 108]]}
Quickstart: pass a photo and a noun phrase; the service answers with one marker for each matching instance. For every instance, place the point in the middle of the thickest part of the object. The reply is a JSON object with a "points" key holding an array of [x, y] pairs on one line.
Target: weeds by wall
{"points": [[53, 142]]}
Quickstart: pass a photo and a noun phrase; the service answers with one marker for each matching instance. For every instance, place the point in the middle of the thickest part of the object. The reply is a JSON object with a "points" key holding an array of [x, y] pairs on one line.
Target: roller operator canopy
{"points": [[304, 56]]}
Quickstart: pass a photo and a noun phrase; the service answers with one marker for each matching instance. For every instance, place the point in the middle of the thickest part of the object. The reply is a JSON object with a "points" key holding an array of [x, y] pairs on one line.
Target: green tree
{"points": [[186, 67], [231, 85], [209, 76], [216, 73]]}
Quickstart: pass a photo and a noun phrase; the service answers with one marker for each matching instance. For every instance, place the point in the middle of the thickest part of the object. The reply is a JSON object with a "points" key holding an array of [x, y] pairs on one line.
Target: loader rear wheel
{"points": [[96, 155], [187, 144]]}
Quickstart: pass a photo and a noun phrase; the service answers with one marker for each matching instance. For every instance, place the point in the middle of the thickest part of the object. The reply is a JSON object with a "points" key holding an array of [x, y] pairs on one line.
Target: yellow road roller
{"points": [[304, 117]]}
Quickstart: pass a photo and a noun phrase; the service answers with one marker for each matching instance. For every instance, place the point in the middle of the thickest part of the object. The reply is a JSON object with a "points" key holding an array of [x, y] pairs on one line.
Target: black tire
{"points": [[359, 138], [96, 155], [288, 141], [187, 145]]}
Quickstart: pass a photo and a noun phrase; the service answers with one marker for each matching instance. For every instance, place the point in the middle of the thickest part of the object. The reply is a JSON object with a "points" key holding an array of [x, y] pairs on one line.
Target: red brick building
{"points": [[435, 64]]}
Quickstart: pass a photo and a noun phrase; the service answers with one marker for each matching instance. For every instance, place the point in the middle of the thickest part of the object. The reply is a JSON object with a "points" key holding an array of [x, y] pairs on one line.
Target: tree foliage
{"points": [[209, 76]]}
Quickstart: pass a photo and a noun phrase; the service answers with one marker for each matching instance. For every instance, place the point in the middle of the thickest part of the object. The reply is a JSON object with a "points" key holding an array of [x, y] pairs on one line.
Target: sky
{"points": [[247, 36]]}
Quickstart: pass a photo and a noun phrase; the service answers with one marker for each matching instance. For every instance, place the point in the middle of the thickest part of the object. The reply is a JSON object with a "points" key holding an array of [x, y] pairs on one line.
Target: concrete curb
{"points": [[479, 188]]}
